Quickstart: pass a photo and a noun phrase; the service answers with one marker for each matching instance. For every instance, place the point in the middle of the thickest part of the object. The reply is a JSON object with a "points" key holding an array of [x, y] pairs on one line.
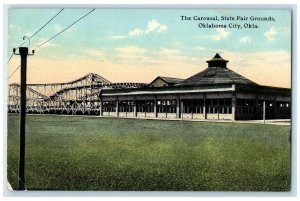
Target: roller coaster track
{"points": [[78, 96], [94, 77]]}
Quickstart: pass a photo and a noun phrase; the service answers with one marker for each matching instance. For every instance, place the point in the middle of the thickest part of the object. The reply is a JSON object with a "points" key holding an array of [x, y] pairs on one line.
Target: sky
{"points": [[137, 45]]}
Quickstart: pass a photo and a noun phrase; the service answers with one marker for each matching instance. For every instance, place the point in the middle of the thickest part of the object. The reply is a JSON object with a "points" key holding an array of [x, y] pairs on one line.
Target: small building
{"points": [[165, 81], [214, 93]]}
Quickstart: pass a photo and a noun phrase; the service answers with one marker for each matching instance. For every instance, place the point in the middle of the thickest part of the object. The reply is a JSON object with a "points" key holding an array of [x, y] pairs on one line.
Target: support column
{"points": [[155, 107], [256, 108], [218, 108], [100, 108], [233, 107], [204, 107], [264, 111], [181, 110], [117, 108], [134, 109], [72, 107], [178, 112], [275, 108]]}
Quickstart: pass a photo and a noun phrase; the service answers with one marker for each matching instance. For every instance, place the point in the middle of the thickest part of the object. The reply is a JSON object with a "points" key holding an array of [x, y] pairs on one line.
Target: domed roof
{"points": [[216, 73]]}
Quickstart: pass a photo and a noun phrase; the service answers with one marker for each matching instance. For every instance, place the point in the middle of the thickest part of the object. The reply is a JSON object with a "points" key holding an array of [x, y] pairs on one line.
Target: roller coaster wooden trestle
{"points": [[78, 97]]}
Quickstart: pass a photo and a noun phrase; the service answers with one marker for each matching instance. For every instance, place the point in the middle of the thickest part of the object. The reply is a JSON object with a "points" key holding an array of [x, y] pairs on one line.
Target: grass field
{"points": [[88, 153]]}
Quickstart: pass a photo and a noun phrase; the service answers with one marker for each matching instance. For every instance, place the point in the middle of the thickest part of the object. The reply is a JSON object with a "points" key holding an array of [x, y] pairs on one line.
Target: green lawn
{"points": [[89, 153]]}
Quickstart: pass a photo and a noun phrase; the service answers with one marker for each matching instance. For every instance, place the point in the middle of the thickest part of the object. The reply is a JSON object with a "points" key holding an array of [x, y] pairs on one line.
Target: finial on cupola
{"points": [[217, 61]]}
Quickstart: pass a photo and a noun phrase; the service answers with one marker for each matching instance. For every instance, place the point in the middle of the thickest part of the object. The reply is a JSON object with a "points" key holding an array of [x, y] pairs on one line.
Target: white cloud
{"points": [[136, 32], [162, 28], [152, 26], [96, 54], [137, 55], [167, 51], [131, 50], [48, 44], [200, 48], [166, 55], [131, 54], [57, 28], [118, 37], [14, 27], [270, 34], [245, 39], [28, 34], [221, 34], [93, 52]]}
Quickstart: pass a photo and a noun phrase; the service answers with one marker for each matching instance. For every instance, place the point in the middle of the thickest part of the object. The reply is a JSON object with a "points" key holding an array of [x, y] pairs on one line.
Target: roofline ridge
{"points": [[215, 75], [228, 75], [242, 76], [207, 69]]}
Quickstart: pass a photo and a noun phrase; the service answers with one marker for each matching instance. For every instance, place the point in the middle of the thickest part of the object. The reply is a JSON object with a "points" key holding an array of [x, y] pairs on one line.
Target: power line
{"points": [[12, 54], [46, 23], [14, 72], [37, 31], [20, 45], [52, 37], [63, 30]]}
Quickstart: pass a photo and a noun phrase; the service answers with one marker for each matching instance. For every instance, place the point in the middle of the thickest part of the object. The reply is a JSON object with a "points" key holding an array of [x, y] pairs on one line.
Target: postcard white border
{"points": [[257, 5]]}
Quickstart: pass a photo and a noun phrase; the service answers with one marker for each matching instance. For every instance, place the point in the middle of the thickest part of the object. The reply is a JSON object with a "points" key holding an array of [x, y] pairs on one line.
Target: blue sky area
{"points": [[156, 34]]}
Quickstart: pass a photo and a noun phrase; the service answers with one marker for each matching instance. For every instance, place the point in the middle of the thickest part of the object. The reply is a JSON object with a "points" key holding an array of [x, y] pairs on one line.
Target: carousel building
{"points": [[216, 93]]}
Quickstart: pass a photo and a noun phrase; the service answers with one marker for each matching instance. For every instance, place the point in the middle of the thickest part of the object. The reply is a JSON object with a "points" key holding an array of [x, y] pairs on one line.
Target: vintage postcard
{"points": [[149, 99]]}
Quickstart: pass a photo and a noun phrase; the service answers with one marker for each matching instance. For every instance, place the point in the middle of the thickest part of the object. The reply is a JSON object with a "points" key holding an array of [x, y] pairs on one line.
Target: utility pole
{"points": [[23, 52]]}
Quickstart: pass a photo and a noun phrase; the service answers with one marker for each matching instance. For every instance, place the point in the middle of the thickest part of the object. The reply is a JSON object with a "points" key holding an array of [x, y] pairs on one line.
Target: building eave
{"points": [[168, 90]]}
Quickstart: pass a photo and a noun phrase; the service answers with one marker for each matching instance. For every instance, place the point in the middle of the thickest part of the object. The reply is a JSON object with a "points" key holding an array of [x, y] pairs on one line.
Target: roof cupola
{"points": [[217, 61]]}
